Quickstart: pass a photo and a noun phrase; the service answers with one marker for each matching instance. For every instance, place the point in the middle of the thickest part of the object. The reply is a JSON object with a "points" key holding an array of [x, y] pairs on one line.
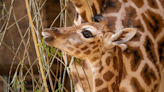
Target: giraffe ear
{"points": [[124, 35], [119, 38]]}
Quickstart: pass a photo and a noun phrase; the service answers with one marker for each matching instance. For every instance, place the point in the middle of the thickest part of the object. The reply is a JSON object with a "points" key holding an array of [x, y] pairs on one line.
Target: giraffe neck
{"points": [[83, 9], [107, 71]]}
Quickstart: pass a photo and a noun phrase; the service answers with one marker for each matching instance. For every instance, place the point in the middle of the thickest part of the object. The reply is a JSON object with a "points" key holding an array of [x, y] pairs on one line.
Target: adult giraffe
{"points": [[144, 57]]}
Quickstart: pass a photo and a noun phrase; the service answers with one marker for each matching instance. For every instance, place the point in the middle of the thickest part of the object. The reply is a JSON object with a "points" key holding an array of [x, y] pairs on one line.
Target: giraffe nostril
{"points": [[54, 28]]}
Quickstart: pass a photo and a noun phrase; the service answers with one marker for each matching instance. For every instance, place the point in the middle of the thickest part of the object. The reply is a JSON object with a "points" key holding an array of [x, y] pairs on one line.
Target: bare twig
{"points": [[6, 84], [36, 47]]}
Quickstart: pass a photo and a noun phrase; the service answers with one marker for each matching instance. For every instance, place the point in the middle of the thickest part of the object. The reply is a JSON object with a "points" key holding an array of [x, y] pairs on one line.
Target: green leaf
{"points": [[51, 50], [25, 89], [57, 90], [2, 12], [37, 90]]}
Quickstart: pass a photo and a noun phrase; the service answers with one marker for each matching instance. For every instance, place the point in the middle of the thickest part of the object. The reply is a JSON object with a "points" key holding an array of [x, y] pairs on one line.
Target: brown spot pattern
{"points": [[111, 6], [161, 50], [139, 3], [162, 3], [94, 46], [115, 87], [108, 76], [70, 48], [153, 23], [153, 4], [98, 65], [136, 57], [104, 90], [98, 40], [94, 58], [82, 78], [85, 64], [92, 42], [98, 82], [124, 73], [111, 23], [125, 1], [148, 74], [107, 60], [130, 21], [96, 51], [155, 88], [87, 52], [77, 52], [119, 64], [136, 85], [150, 50], [84, 48], [115, 63], [101, 69], [157, 67], [78, 44]]}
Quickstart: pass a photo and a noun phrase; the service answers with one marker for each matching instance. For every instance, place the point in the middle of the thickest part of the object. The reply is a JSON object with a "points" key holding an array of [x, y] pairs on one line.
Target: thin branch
{"points": [[6, 84], [36, 47]]}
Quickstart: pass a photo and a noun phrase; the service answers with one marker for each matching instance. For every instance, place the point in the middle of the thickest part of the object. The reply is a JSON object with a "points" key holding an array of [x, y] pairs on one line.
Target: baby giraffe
{"points": [[96, 44]]}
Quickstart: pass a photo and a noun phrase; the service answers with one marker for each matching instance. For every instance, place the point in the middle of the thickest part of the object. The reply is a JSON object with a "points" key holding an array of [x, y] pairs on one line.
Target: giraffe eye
{"points": [[87, 34]]}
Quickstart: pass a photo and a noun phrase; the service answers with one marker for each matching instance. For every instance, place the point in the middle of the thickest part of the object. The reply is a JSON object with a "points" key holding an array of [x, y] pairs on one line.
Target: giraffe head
{"points": [[87, 40]]}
